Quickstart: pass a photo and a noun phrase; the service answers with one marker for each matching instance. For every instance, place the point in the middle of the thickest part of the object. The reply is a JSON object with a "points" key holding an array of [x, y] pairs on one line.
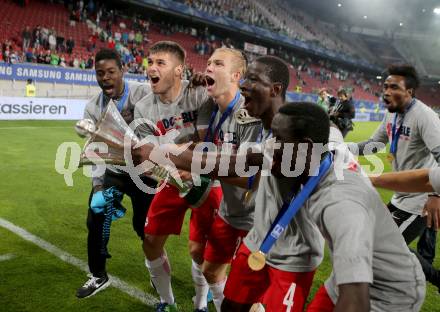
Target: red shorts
{"points": [[321, 302], [223, 241], [203, 217], [167, 212], [278, 290]]}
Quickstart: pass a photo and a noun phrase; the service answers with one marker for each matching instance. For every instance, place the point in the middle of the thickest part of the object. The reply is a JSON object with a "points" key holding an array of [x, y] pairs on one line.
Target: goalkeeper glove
{"points": [[98, 202]]}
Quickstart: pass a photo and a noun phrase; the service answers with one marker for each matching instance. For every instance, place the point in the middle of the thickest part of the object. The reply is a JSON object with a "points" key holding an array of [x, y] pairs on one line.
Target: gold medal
{"points": [[390, 157], [257, 260]]}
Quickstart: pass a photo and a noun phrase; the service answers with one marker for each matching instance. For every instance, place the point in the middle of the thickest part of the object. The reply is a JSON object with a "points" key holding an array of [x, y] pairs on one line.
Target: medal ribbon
{"points": [[289, 210], [395, 132], [225, 115], [251, 179]]}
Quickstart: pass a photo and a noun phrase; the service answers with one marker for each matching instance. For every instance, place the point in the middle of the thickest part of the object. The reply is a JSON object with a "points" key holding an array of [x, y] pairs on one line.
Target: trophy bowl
{"points": [[111, 130]]}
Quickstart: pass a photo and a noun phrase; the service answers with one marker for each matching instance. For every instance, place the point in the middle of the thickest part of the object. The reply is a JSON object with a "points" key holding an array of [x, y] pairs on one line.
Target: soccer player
{"points": [[224, 70], [294, 257], [109, 76], [366, 248], [413, 131], [292, 260], [173, 105]]}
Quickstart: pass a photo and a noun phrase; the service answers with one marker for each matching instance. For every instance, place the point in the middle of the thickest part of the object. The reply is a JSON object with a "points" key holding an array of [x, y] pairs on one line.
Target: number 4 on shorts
{"points": [[288, 298]]}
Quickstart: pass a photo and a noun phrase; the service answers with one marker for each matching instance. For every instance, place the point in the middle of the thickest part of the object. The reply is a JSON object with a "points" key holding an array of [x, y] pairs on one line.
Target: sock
{"points": [[257, 307], [160, 274], [201, 286], [217, 293]]}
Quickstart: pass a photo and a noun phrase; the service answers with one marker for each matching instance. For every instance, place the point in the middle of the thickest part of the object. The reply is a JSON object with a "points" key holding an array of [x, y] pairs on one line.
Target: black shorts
{"points": [[410, 225]]}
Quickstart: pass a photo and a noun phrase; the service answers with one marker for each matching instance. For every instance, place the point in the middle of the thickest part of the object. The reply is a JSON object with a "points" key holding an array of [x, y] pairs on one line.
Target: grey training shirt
{"points": [[180, 115], [419, 137], [300, 247], [233, 208], [365, 243]]}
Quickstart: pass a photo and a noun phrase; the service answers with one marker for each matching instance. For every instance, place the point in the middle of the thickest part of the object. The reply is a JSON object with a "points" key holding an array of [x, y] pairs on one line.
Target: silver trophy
{"points": [[112, 130]]}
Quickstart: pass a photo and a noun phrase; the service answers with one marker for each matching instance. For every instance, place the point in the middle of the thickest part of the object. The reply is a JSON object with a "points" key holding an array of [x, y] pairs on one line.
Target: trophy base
{"points": [[100, 161]]}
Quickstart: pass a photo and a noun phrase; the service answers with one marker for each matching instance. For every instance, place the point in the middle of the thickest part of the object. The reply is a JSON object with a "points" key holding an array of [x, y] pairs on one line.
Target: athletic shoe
{"points": [[201, 310], [92, 286], [165, 307]]}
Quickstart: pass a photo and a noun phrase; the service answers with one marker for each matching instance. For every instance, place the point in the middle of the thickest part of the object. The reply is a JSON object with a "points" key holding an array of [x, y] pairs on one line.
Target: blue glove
{"points": [[112, 210], [118, 213], [98, 202], [114, 196]]}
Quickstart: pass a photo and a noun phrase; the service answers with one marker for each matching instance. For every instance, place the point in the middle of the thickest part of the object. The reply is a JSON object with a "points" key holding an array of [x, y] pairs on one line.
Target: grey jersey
{"points": [[96, 106], [233, 208], [180, 115], [335, 135], [434, 179], [300, 247], [365, 243], [420, 135], [343, 158]]}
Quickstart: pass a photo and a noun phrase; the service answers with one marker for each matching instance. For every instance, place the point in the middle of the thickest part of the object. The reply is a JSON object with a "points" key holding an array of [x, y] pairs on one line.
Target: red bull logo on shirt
{"points": [[186, 119], [405, 132]]}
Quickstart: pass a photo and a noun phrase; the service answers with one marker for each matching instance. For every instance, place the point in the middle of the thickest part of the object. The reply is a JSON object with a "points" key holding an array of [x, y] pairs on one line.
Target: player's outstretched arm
{"points": [[183, 159], [354, 297], [410, 181]]}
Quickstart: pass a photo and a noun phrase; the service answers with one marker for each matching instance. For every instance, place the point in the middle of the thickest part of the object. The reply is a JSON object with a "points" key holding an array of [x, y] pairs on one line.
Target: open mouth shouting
{"points": [[386, 101], [210, 82], [154, 80], [108, 90]]}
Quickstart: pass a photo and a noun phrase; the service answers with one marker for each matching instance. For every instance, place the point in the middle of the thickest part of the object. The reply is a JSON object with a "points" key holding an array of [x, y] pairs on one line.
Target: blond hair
{"points": [[239, 59]]}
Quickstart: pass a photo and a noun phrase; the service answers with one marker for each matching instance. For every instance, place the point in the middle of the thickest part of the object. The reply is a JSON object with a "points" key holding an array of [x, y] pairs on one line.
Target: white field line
{"points": [[68, 258], [6, 257]]}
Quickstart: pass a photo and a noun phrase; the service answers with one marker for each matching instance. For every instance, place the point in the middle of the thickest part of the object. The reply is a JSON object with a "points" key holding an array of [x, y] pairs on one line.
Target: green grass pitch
{"points": [[35, 197]]}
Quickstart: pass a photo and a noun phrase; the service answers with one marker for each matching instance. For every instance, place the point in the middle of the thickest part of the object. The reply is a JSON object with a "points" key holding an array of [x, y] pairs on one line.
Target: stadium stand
{"points": [[93, 31]]}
